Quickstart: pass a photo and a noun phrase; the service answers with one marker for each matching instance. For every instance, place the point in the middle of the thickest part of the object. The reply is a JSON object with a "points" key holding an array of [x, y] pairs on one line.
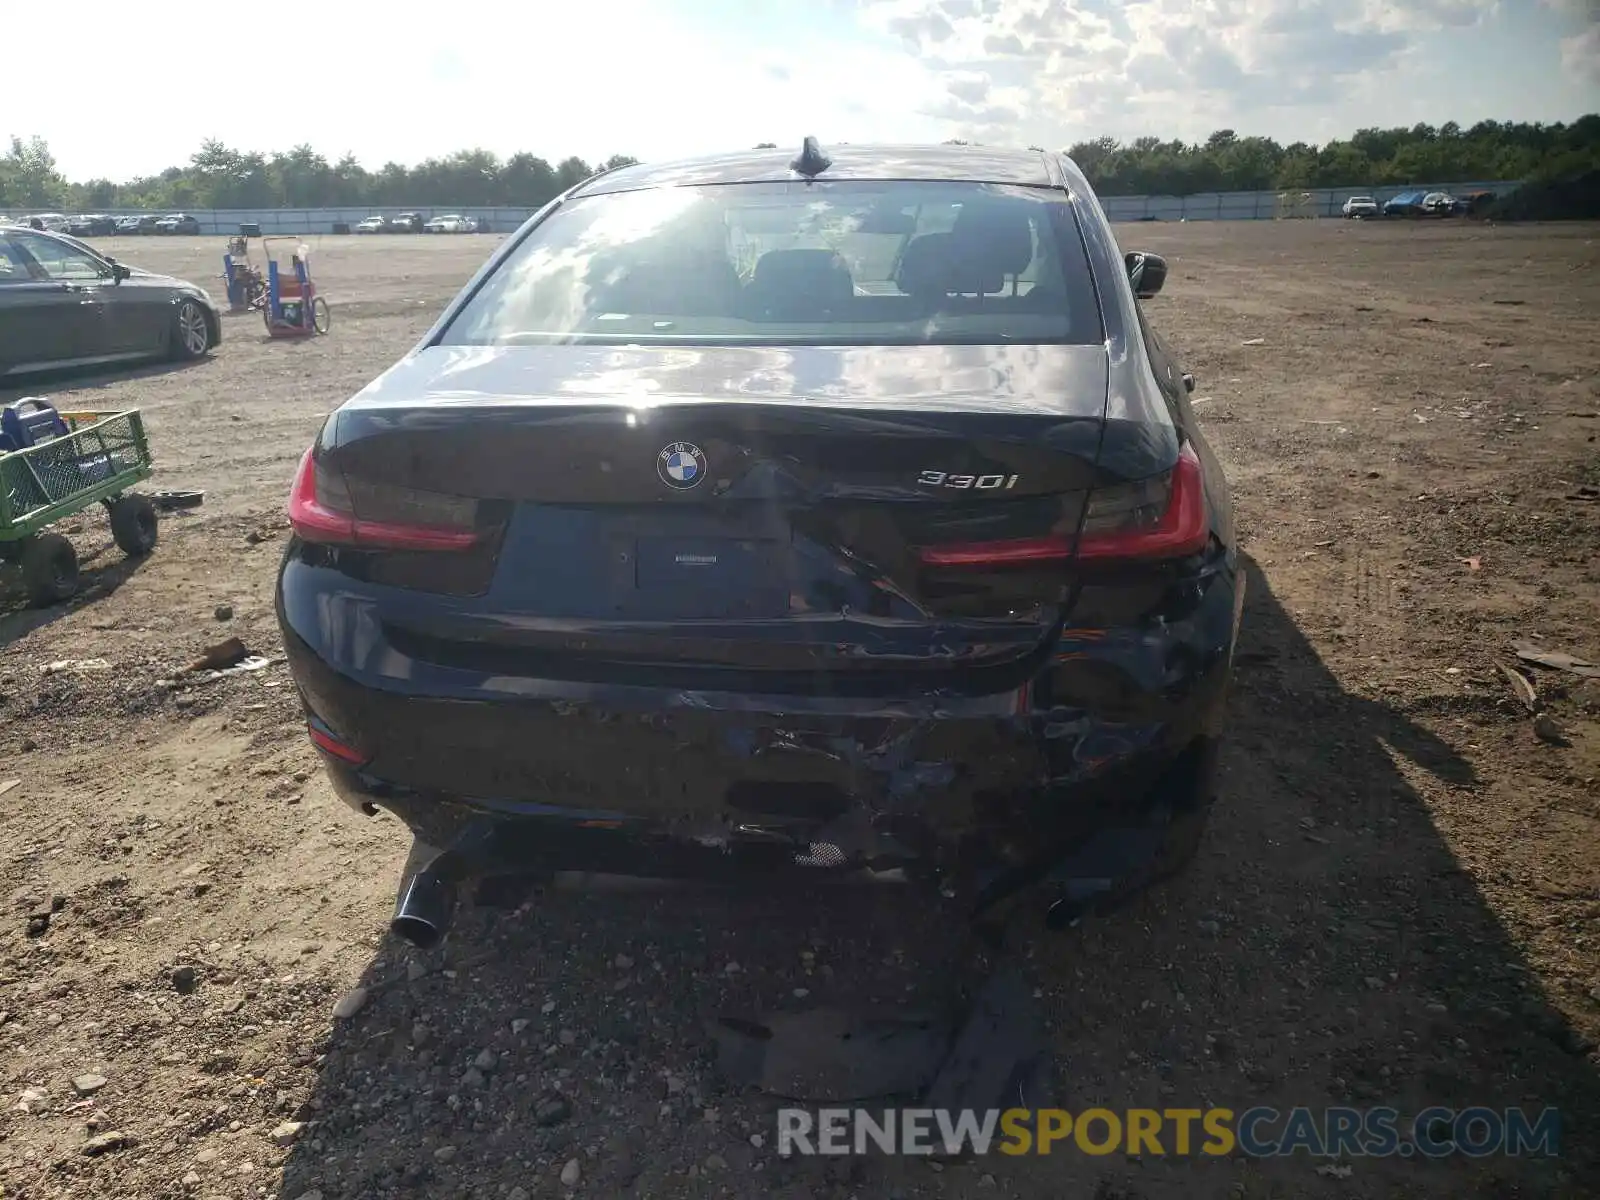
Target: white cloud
{"points": [[1063, 69], [1580, 53], [1580, 56]]}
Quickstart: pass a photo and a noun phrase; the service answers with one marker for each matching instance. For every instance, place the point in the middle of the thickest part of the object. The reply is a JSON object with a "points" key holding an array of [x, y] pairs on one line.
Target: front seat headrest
{"points": [[801, 285]]}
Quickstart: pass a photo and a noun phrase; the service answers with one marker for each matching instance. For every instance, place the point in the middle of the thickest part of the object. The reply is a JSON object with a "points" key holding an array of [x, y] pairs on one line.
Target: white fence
{"points": [[1210, 206], [226, 221], [1255, 206]]}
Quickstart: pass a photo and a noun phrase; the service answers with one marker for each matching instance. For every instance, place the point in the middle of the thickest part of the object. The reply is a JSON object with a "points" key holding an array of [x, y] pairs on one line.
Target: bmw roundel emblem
{"points": [[681, 465]]}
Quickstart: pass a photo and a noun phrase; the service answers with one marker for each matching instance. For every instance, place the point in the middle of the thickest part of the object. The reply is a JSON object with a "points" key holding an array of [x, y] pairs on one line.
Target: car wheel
{"points": [[134, 525], [191, 334], [49, 569]]}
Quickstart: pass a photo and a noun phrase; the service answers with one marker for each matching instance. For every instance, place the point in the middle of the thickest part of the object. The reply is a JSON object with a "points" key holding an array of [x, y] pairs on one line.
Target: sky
{"points": [[658, 79]]}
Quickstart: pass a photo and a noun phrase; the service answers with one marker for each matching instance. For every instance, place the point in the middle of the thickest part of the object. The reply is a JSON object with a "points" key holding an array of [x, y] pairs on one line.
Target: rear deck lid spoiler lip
{"points": [[1066, 381]]}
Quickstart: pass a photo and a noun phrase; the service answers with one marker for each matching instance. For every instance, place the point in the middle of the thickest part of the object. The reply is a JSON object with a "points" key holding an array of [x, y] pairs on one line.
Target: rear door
{"points": [[1167, 369]]}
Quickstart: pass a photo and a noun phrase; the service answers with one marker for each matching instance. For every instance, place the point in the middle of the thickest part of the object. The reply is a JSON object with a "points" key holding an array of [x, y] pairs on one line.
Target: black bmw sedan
{"points": [[768, 513], [62, 304]]}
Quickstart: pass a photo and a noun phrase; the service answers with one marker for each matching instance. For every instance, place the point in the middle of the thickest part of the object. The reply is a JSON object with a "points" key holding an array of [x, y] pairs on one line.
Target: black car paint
{"points": [[123, 314], [983, 748], [177, 223], [92, 226]]}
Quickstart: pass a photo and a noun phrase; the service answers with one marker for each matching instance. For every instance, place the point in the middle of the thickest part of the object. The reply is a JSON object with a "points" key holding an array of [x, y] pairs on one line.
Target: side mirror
{"points": [[120, 271], [1146, 272], [1188, 382]]}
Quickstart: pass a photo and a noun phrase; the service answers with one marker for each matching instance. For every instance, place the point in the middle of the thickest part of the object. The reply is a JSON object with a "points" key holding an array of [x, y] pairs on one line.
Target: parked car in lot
{"points": [[178, 223], [63, 304], [1441, 204], [406, 222], [450, 223], [1361, 206], [896, 547], [49, 222], [135, 225], [372, 225], [1406, 204], [91, 225]]}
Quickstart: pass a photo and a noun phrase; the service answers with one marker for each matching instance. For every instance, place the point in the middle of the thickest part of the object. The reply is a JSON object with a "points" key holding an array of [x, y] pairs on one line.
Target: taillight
{"points": [[1156, 518], [328, 742], [1164, 517], [327, 508]]}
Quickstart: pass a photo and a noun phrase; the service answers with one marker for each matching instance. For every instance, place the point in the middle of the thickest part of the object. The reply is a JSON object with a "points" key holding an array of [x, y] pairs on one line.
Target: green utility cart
{"points": [[54, 465]]}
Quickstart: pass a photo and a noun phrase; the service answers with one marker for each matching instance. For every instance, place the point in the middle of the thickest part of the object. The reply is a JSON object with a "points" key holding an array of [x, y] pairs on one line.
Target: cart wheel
{"points": [[49, 569], [191, 333], [134, 525], [320, 317], [266, 316]]}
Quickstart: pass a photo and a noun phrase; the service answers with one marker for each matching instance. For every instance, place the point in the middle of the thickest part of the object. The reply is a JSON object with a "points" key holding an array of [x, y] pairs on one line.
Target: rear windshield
{"points": [[858, 263]]}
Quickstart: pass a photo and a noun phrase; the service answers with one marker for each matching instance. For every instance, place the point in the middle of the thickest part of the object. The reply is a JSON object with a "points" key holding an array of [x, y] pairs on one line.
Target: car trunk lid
{"points": [[747, 517]]}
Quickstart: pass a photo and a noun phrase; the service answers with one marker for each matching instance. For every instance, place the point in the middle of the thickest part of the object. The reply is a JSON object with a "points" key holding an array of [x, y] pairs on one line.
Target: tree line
{"points": [[218, 176], [1369, 158]]}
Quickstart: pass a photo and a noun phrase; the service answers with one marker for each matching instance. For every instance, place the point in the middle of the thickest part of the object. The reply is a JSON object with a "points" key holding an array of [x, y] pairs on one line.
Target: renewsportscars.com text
{"points": [[1258, 1132]]}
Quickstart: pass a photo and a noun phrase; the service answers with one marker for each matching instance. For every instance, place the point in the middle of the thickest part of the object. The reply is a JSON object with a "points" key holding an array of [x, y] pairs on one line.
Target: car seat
{"points": [[800, 285], [672, 283]]}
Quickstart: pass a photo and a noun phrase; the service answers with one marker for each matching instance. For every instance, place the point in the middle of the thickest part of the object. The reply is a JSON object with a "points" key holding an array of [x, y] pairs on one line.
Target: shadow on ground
{"points": [[101, 571], [41, 383], [1326, 949]]}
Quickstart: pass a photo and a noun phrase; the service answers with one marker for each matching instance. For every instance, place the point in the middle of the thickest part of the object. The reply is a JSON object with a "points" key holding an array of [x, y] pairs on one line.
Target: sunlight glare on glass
{"points": [[638, 216], [552, 284]]}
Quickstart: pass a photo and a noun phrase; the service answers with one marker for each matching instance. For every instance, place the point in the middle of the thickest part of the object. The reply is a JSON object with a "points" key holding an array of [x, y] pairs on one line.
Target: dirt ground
{"points": [[1397, 903]]}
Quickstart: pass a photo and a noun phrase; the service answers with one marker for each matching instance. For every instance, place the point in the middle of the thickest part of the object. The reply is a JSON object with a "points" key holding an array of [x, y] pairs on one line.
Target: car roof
{"points": [[970, 164]]}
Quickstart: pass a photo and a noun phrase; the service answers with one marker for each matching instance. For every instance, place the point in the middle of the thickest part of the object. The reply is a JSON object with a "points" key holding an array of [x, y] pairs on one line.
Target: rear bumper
{"points": [[1102, 759]]}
